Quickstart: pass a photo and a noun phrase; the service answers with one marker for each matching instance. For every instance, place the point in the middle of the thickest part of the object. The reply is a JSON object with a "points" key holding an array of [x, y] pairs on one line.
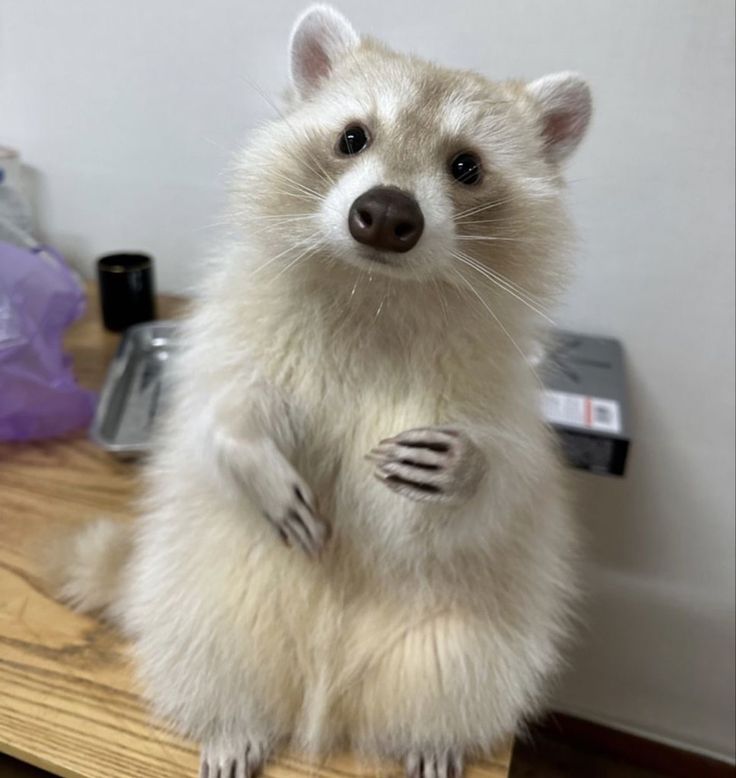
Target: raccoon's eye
{"points": [[352, 140], [466, 168]]}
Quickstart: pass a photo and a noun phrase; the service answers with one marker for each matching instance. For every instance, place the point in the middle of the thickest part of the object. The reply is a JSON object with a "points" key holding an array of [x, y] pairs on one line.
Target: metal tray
{"points": [[134, 389]]}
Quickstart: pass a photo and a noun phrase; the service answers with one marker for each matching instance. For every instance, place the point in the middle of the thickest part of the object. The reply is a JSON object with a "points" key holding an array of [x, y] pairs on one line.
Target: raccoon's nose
{"points": [[386, 218]]}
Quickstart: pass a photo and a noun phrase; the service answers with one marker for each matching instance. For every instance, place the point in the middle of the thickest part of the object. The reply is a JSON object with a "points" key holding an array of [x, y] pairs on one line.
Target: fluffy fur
{"points": [[399, 621]]}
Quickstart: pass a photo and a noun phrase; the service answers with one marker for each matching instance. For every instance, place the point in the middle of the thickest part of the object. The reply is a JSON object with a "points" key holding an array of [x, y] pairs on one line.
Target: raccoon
{"points": [[355, 531]]}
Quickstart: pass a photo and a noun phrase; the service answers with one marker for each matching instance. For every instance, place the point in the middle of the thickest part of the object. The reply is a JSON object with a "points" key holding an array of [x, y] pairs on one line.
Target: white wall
{"points": [[127, 112]]}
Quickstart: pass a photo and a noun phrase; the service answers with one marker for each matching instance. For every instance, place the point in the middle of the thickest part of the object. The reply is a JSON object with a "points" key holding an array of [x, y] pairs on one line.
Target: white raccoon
{"points": [[355, 532]]}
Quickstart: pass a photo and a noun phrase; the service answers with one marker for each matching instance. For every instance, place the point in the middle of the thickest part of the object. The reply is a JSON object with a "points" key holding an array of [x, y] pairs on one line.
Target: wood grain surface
{"points": [[68, 698]]}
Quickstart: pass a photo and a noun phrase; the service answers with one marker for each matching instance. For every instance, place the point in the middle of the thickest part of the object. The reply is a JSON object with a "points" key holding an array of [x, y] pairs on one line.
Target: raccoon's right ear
{"points": [[320, 37]]}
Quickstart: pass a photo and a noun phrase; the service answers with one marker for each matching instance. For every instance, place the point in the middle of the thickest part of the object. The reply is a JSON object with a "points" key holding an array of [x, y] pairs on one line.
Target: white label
{"points": [[579, 410]]}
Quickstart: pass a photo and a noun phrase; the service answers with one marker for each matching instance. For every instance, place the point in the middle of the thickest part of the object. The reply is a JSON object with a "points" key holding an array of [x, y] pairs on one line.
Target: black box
{"points": [[585, 400]]}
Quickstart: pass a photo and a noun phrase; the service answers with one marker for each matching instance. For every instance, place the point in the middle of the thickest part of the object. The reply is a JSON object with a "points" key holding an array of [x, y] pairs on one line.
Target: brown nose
{"points": [[386, 218]]}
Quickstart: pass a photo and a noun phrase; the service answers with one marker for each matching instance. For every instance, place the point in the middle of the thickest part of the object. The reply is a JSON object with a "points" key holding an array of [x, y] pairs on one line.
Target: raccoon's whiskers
{"points": [[516, 287], [303, 191], [488, 238], [301, 187], [380, 308], [497, 220], [484, 207], [501, 283], [213, 225], [504, 279], [354, 289], [385, 297], [297, 194], [278, 218], [306, 253], [274, 225], [498, 321], [297, 245]]}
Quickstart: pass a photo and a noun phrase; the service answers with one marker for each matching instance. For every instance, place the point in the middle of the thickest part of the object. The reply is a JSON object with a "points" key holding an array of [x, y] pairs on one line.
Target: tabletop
{"points": [[68, 697]]}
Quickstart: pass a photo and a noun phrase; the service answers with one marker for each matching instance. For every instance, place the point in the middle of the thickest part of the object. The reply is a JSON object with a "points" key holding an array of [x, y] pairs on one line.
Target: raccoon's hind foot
{"points": [[434, 764], [237, 758]]}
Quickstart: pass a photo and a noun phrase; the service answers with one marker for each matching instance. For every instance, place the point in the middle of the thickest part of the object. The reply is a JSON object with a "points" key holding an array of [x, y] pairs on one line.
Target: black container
{"points": [[126, 290]]}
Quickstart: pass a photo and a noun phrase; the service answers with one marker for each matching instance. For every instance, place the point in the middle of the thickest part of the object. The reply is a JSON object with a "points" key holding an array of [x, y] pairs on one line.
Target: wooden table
{"points": [[68, 701]]}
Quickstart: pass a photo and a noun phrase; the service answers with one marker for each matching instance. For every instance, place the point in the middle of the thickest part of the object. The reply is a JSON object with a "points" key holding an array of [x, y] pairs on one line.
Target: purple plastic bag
{"points": [[39, 299]]}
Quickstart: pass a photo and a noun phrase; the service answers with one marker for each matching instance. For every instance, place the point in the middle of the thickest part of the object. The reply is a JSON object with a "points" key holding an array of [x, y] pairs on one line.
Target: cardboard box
{"points": [[585, 400]]}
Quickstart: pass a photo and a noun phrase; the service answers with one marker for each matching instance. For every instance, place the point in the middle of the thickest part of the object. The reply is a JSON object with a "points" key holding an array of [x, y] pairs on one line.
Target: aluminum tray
{"points": [[134, 389]]}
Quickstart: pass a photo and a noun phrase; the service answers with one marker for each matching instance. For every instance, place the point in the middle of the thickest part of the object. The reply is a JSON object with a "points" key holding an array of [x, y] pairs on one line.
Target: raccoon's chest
{"points": [[339, 423], [344, 401]]}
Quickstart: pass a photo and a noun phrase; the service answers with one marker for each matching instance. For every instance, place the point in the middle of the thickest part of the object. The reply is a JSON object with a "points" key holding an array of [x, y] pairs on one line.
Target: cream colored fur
{"points": [[416, 627]]}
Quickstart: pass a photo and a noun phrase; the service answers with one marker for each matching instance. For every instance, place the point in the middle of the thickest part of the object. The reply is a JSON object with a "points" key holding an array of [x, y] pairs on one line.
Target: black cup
{"points": [[126, 290]]}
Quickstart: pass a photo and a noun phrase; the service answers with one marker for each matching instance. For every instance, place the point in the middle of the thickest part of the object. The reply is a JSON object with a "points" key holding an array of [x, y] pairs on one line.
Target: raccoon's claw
{"points": [[297, 522], [430, 464], [439, 764], [242, 760]]}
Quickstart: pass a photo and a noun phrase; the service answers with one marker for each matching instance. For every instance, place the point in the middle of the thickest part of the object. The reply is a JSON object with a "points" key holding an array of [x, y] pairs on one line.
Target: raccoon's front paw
{"points": [[293, 515], [434, 764], [243, 758], [430, 464]]}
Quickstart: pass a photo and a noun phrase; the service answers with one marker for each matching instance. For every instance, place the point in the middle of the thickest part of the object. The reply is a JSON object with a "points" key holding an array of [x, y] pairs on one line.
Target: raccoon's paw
{"points": [[293, 515], [243, 758], [434, 764], [430, 464]]}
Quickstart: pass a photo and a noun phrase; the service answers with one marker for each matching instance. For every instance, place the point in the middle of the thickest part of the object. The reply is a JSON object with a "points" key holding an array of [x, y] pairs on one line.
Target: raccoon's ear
{"points": [[565, 103], [320, 36]]}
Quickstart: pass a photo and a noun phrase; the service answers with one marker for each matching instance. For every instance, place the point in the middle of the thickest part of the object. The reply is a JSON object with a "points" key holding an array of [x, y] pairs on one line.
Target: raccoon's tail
{"points": [[84, 568]]}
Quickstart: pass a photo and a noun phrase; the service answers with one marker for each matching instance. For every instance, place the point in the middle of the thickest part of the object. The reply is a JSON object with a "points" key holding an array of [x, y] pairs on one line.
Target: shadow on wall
{"points": [[667, 648]]}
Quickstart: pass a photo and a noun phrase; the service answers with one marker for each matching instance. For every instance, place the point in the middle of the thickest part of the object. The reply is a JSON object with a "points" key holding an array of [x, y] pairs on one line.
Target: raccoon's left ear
{"points": [[320, 37], [566, 105]]}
